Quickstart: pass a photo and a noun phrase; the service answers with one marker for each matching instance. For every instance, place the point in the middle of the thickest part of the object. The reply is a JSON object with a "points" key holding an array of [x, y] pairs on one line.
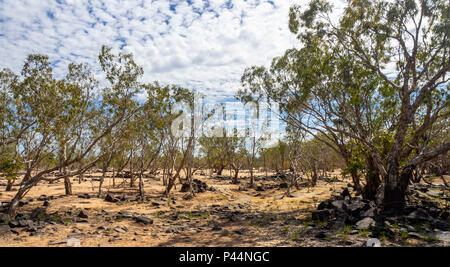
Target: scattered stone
{"points": [[369, 213], [295, 194], [419, 215], [111, 198], [187, 196], [57, 242], [85, 196], [416, 235], [373, 242], [197, 186], [174, 229], [260, 188], [243, 199], [46, 203], [5, 230], [443, 236], [38, 214], [323, 234], [158, 203], [73, 242], [126, 214], [322, 215], [239, 232], [83, 215], [120, 230], [365, 223], [42, 198], [143, 219], [338, 204]]}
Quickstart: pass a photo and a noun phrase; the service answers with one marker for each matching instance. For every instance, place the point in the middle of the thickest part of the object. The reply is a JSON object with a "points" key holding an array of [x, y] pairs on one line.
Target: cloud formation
{"points": [[200, 44]]}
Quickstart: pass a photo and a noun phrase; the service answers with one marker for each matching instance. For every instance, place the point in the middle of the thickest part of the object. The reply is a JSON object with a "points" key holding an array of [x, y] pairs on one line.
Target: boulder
{"points": [[82, 214], [5, 230], [443, 236], [365, 223], [322, 215], [111, 198], [143, 219], [373, 242]]}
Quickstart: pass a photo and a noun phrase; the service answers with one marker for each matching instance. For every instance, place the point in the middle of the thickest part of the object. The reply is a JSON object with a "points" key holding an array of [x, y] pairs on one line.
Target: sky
{"points": [[199, 44]]}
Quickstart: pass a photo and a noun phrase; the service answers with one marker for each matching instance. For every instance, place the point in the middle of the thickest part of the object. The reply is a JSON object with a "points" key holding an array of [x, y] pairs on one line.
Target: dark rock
{"points": [[111, 198], [239, 232], [322, 215], [46, 203], [5, 230], [323, 234], [174, 229], [4, 218], [419, 215], [126, 214], [355, 207], [372, 212], [158, 203], [120, 229], [197, 186], [83, 215], [440, 224], [13, 224], [325, 205], [337, 204], [38, 214], [144, 220], [85, 196], [260, 187]]}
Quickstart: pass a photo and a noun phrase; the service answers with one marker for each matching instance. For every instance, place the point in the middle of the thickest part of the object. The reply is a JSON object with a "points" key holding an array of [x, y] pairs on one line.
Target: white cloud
{"points": [[204, 45]]}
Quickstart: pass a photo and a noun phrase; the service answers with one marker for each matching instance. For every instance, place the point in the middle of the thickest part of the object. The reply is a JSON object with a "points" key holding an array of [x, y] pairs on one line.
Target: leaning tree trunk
{"points": [[12, 210]]}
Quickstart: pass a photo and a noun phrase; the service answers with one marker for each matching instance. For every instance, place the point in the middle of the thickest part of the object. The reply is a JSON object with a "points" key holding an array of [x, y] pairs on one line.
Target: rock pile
{"points": [[197, 187], [345, 210], [421, 218]]}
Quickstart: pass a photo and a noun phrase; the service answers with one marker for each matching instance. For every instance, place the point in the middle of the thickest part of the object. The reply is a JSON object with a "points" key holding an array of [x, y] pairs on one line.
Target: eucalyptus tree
{"points": [[338, 81], [51, 103], [236, 151], [184, 127], [151, 128]]}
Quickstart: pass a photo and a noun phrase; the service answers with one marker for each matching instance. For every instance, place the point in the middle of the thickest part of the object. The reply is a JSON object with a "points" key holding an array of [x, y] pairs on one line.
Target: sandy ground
{"points": [[224, 217]]}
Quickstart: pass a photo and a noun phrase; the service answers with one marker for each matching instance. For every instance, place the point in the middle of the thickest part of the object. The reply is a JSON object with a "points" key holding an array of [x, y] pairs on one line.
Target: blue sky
{"points": [[200, 44]]}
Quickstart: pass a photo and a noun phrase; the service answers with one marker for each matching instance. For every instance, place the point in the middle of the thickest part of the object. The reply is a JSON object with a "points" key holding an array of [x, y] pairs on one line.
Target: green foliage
{"points": [[9, 167]]}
